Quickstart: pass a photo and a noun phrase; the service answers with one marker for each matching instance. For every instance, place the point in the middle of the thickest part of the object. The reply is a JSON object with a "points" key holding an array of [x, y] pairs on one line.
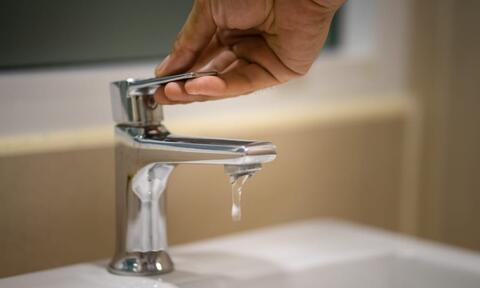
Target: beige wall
{"points": [[57, 208], [445, 70]]}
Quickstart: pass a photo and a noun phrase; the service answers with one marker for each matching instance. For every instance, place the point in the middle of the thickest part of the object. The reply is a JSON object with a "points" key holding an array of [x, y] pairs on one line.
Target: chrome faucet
{"points": [[145, 155]]}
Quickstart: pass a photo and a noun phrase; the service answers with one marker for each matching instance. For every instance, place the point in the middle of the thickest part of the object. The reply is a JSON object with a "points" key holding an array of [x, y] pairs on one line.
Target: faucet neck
{"points": [[134, 109]]}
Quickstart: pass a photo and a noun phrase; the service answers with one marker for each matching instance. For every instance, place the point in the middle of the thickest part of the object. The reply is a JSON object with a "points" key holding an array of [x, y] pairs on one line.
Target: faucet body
{"points": [[145, 154]]}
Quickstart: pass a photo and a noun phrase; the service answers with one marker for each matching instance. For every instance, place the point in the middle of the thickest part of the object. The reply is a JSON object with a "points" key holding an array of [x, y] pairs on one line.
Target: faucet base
{"points": [[141, 263]]}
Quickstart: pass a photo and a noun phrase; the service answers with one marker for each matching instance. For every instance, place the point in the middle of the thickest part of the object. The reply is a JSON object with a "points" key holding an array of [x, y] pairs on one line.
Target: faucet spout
{"points": [[156, 144]]}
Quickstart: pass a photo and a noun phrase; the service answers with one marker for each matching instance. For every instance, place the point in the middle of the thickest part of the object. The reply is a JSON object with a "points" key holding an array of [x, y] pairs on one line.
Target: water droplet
{"points": [[237, 182], [239, 174]]}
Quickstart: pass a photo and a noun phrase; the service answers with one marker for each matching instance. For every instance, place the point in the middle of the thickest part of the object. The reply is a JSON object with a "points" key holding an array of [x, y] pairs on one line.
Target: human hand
{"points": [[252, 44]]}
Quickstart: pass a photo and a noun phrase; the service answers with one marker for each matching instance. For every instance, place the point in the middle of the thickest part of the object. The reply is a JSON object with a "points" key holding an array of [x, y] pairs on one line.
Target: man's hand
{"points": [[252, 44]]}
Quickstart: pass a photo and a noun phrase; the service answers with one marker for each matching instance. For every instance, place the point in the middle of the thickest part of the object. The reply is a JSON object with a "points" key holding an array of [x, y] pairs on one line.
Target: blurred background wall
{"points": [[446, 80], [382, 131]]}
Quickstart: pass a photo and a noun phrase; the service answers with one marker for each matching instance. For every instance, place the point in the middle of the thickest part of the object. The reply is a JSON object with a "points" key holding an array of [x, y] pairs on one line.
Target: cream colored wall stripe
{"points": [[56, 141], [283, 117]]}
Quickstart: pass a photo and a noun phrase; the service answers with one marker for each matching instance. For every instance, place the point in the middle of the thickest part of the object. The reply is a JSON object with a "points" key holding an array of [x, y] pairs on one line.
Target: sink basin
{"points": [[314, 253]]}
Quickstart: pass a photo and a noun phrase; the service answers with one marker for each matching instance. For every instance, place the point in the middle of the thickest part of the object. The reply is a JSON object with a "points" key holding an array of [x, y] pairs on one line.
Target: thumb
{"points": [[195, 35]]}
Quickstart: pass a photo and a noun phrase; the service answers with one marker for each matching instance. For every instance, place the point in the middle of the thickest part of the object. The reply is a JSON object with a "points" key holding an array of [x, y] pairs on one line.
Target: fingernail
{"points": [[162, 65]]}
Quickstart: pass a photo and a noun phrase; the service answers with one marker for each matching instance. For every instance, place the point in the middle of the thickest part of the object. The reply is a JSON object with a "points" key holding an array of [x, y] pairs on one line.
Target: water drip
{"points": [[239, 174]]}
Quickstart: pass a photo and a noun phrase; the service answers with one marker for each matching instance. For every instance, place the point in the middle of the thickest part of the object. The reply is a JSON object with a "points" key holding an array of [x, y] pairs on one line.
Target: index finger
{"points": [[195, 35]]}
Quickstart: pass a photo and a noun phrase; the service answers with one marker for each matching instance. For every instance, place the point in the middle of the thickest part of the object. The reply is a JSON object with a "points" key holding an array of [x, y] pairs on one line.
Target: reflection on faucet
{"points": [[145, 155], [145, 231]]}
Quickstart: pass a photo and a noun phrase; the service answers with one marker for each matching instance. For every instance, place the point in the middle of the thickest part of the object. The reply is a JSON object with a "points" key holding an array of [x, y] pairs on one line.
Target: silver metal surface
{"points": [[153, 83], [145, 155], [141, 264], [133, 103]]}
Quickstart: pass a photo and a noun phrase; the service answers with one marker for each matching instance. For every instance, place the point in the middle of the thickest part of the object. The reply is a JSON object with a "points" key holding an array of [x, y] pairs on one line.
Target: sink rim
{"points": [[286, 248]]}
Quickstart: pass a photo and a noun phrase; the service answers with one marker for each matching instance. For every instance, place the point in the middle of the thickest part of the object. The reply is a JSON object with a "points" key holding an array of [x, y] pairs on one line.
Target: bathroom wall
{"points": [[57, 202], [445, 76]]}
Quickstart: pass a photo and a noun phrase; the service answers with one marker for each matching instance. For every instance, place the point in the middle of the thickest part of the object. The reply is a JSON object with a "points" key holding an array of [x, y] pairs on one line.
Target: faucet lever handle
{"points": [[153, 83], [132, 101]]}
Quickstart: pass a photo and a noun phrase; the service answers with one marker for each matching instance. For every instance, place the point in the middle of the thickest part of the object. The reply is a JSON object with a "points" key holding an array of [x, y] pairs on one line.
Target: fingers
{"points": [[256, 50], [207, 54], [195, 35], [257, 68], [241, 79], [250, 65], [175, 93], [220, 62]]}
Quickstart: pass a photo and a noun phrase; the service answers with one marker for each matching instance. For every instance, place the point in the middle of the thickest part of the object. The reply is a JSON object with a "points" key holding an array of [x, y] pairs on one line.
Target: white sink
{"points": [[315, 253]]}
